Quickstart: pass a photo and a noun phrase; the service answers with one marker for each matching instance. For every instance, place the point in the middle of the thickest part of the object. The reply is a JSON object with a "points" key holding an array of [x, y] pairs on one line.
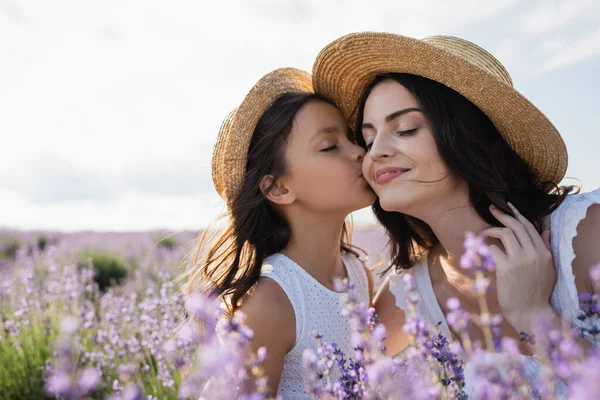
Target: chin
{"points": [[392, 204]]}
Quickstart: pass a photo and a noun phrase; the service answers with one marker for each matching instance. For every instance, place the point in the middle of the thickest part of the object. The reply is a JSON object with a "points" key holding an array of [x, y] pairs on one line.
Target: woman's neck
{"points": [[450, 223]]}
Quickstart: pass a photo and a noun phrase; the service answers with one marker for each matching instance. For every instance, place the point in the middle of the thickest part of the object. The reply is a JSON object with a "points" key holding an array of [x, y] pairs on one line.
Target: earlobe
{"points": [[278, 193]]}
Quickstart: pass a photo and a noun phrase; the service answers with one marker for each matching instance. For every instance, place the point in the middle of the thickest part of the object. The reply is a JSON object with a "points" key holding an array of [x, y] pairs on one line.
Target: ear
{"points": [[280, 193]]}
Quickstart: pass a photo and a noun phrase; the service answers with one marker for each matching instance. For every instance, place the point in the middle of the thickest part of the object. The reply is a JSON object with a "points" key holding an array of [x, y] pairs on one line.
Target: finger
{"points": [[500, 258], [513, 224], [546, 239], [531, 231], [507, 237]]}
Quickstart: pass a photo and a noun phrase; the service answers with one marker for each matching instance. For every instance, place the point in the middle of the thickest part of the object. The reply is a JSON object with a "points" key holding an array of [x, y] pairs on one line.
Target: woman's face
{"points": [[324, 168], [402, 163]]}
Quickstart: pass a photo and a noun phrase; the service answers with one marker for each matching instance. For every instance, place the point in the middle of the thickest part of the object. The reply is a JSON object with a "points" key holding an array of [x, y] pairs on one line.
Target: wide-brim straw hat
{"points": [[344, 68], [230, 153]]}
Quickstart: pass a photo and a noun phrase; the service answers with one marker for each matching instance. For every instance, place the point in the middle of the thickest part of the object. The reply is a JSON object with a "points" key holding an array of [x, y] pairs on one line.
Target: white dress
{"points": [[316, 309], [563, 228]]}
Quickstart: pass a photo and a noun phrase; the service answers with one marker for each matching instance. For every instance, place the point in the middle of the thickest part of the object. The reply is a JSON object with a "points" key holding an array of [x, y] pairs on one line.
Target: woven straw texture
{"points": [[231, 149], [345, 67]]}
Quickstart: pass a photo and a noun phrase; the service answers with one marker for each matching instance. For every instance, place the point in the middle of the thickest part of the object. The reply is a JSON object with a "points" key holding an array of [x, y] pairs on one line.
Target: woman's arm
{"points": [[371, 284]]}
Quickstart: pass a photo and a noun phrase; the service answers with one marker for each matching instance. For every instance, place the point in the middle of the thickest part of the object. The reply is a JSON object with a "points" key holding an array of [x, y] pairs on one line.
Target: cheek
{"points": [[434, 165], [320, 176], [426, 157], [335, 173], [367, 169]]}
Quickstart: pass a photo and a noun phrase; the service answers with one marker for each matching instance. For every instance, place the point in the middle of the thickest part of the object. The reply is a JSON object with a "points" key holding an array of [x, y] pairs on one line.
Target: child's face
{"points": [[324, 168]]}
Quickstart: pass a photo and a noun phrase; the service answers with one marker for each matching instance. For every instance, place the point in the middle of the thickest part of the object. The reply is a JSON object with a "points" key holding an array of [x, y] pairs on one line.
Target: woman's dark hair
{"points": [[231, 266], [474, 150]]}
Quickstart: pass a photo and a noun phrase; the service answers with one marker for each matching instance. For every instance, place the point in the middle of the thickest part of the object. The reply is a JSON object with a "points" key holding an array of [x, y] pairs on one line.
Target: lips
{"points": [[385, 175]]}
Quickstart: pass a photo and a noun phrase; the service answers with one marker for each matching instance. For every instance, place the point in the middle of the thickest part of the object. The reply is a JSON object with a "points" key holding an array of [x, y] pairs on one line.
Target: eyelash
{"points": [[330, 148], [401, 133]]}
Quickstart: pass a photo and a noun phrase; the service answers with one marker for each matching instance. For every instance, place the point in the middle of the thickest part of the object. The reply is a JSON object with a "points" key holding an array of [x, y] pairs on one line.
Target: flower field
{"points": [[97, 316]]}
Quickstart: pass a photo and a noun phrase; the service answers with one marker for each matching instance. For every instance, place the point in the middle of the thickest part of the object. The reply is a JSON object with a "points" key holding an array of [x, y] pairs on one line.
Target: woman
{"points": [[453, 148]]}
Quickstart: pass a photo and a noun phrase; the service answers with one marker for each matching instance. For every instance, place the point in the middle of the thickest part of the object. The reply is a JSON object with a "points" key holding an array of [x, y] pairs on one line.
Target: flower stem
{"points": [[485, 315]]}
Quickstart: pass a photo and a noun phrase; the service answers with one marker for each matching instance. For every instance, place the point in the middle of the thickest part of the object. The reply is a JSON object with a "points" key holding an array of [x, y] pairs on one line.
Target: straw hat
{"points": [[345, 67], [231, 150]]}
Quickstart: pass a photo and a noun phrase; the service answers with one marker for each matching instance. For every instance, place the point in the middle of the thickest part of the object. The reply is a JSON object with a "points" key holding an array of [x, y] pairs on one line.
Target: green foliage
{"points": [[42, 242], [8, 247], [109, 269], [167, 242], [22, 360]]}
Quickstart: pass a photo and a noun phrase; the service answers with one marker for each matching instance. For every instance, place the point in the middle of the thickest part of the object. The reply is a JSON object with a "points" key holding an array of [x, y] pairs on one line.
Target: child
{"points": [[290, 175]]}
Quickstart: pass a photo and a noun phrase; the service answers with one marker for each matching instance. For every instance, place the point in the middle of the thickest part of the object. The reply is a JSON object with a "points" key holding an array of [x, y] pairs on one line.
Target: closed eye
{"points": [[406, 133], [330, 148]]}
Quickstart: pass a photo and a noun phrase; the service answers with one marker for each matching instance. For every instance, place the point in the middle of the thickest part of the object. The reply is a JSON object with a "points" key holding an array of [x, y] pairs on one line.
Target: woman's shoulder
{"points": [[397, 275], [358, 273], [575, 226], [575, 205], [574, 212], [400, 278]]}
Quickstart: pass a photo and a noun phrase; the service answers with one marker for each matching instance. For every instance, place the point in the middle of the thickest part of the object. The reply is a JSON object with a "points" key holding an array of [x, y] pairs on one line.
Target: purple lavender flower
{"points": [[595, 276], [457, 318], [477, 254], [59, 384], [588, 306], [586, 384], [127, 372], [132, 392], [312, 375], [89, 380], [526, 337], [137, 332], [11, 327]]}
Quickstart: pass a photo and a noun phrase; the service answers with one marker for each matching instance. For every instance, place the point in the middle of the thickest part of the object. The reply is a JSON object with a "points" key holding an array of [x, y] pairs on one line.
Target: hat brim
{"points": [[344, 68], [230, 153]]}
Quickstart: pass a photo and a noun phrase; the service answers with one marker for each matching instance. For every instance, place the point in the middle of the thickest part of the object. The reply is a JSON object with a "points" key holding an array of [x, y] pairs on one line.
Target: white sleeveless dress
{"points": [[316, 309], [563, 228]]}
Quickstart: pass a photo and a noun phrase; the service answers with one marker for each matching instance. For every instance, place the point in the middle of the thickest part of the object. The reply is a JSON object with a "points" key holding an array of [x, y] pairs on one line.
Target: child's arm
{"points": [[270, 315], [392, 317]]}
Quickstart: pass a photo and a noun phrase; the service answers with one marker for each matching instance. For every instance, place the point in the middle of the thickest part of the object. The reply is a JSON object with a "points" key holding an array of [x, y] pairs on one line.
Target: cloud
{"points": [[547, 17], [49, 180], [169, 180], [107, 103], [133, 212], [562, 53], [12, 11], [558, 33]]}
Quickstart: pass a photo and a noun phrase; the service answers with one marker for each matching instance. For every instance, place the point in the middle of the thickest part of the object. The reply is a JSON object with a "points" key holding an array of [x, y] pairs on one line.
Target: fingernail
{"points": [[493, 207], [511, 206]]}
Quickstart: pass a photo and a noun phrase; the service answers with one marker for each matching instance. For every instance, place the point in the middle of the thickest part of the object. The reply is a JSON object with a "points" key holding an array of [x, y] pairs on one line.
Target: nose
{"points": [[380, 148], [358, 153]]}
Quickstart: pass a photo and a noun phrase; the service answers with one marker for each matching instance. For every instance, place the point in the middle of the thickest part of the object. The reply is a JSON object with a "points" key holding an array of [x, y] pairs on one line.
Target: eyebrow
{"points": [[326, 130], [393, 116], [329, 129]]}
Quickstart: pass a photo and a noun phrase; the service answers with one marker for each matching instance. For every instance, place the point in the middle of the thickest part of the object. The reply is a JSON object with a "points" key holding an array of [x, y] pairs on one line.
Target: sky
{"points": [[109, 110]]}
